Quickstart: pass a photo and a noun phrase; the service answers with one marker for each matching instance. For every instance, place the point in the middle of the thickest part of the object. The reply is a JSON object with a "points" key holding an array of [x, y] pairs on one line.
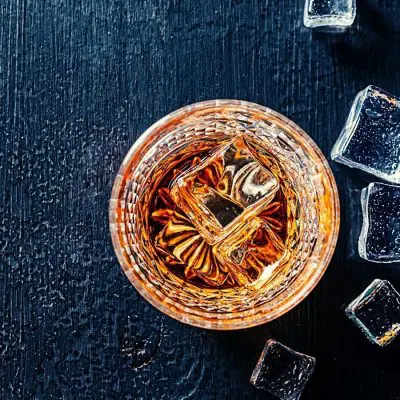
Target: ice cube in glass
{"points": [[240, 189]]}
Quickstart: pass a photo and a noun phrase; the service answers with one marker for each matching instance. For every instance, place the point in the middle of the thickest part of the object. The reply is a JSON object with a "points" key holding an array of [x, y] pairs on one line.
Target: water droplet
{"points": [[394, 118], [373, 113]]}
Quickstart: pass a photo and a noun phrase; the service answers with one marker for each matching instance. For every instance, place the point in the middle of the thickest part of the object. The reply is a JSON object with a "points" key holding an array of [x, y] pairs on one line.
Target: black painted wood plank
{"points": [[79, 81]]}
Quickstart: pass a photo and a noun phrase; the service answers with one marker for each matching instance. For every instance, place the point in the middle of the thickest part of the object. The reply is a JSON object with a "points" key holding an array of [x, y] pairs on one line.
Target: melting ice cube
{"points": [[377, 312], [370, 140], [332, 15], [380, 235], [282, 371]]}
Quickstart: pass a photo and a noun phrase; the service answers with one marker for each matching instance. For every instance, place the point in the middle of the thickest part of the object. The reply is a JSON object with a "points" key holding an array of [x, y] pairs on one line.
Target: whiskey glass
{"points": [[224, 214]]}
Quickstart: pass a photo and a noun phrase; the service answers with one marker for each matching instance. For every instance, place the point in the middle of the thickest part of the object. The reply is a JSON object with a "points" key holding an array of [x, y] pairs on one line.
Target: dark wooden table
{"points": [[79, 81]]}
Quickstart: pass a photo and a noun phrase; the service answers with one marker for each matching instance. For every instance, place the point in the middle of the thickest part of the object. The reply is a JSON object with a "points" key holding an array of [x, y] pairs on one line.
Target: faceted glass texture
{"points": [[377, 312], [380, 235], [259, 270], [334, 14], [370, 141], [282, 371]]}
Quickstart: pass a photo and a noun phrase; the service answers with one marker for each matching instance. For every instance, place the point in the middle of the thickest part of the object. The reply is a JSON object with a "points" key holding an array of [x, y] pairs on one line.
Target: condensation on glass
{"points": [[224, 214]]}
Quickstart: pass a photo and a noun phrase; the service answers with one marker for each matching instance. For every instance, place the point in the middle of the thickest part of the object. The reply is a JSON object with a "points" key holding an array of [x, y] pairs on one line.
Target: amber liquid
{"points": [[190, 257]]}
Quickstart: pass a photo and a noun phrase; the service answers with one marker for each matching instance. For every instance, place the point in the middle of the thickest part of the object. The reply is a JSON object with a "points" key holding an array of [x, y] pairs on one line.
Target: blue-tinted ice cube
{"points": [[377, 312], [332, 15], [282, 371], [370, 140], [380, 234]]}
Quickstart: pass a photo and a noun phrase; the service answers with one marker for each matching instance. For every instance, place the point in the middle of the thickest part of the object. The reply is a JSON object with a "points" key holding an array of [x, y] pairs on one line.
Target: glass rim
{"points": [[223, 321]]}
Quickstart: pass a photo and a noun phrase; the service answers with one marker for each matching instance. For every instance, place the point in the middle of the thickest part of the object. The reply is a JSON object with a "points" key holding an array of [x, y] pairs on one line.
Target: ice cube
{"points": [[234, 248], [354, 214], [370, 140], [226, 191], [221, 208], [380, 234], [377, 312], [282, 371], [331, 15]]}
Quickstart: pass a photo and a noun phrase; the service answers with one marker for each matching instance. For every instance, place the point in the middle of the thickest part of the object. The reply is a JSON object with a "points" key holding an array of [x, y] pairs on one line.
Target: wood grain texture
{"points": [[79, 81]]}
